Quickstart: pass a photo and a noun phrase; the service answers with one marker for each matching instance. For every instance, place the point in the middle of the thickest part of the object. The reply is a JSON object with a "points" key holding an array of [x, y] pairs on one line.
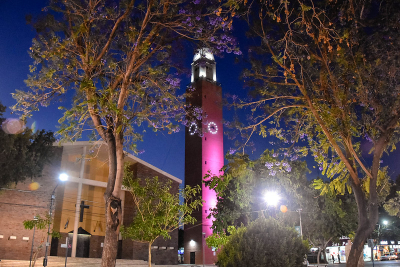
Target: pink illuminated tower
{"points": [[204, 152]]}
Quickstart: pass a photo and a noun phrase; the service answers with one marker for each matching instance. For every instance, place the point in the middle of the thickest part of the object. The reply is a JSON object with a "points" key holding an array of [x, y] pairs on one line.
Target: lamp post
{"points": [[33, 240], [301, 227], [63, 177]]}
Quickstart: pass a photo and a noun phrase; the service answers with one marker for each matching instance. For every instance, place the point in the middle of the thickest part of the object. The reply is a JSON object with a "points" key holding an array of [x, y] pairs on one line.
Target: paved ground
{"points": [[58, 262], [367, 264]]}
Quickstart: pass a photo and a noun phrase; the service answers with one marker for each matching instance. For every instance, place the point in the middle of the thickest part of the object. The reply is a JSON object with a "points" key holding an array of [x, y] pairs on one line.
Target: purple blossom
{"points": [[269, 165], [232, 151], [272, 173], [381, 161], [275, 155], [320, 168], [277, 163], [182, 11], [368, 138]]}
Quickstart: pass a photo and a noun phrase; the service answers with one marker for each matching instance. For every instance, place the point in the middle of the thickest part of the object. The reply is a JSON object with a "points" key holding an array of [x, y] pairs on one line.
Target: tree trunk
{"points": [[149, 254], [113, 210], [318, 255], [110, 249], [367, 219]]}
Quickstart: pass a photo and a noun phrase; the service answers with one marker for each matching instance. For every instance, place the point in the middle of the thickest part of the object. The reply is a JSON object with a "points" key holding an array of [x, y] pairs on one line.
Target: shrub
{"points": [[263, 243]]}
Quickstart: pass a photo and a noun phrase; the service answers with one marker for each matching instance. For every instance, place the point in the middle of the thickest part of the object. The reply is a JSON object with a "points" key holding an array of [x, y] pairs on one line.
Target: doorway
{"points": [[192, 257]]}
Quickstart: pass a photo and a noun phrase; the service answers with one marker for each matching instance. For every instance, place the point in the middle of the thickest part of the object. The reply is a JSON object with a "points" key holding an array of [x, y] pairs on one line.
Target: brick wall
{"points": [[21, 204]]}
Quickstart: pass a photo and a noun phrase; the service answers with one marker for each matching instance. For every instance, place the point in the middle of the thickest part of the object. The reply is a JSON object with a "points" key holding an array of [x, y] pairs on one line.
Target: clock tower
{"points": [[204, 152]]}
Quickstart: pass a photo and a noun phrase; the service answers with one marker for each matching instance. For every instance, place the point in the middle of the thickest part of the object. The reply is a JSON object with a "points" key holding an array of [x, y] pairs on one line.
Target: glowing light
{"points": [[34, 186], [212, 127], [192, 242], [193, 128], [12, 126], [63, 177], [203, 53], [272, 198], [385, 222]]}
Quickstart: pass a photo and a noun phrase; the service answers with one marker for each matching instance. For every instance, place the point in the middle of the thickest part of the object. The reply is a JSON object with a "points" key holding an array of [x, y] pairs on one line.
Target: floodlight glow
{"points": [[385, 222], [272, 198], [192, 242], [203, 53], [63, 177]]}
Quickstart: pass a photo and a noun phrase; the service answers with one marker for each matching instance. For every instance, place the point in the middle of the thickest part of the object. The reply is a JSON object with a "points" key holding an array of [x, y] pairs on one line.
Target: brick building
{"points": [[78, 207]]}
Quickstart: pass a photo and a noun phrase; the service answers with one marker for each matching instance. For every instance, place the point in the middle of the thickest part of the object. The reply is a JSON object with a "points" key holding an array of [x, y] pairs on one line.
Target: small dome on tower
{"points": [[203, 53]]}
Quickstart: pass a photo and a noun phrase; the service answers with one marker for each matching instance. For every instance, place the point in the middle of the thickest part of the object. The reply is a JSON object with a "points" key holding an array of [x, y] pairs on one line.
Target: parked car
{"points": [[388, 257]]}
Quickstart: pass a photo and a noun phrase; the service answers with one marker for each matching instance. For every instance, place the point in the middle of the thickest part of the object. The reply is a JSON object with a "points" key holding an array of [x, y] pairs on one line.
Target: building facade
{"points": [[204, 152], [79, 208]]}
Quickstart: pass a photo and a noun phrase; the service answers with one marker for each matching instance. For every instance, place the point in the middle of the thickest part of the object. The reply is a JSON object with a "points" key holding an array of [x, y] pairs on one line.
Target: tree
{"points": [[240, 200], [122, 59], [263, 243], [325, 74], [240, 190], [327, 218], [158, 210], [40, 223], [23, 153]]}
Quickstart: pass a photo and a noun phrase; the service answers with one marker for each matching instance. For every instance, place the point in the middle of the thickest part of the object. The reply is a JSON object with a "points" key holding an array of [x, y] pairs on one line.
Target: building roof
{"points": [[99, 148]]}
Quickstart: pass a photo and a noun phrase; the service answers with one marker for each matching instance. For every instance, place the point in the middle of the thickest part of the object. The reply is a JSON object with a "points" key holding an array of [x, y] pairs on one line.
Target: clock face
{"points": [[193, 128], [212, 127]]}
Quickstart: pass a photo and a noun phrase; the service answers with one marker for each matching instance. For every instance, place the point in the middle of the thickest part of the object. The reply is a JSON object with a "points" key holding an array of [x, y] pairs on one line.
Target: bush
{"points": [[263, 243]]}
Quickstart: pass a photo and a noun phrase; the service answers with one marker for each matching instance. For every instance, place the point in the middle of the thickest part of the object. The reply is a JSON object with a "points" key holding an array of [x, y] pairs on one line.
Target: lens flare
{"points": [[33, 127], [12, 126], [34, 186]]}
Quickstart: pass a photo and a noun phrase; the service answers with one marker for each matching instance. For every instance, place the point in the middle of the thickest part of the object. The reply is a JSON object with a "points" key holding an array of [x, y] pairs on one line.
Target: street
{"points": [[376, 263]]}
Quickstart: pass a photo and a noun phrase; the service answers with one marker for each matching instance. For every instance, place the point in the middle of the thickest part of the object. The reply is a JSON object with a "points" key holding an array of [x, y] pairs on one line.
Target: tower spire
{"points": [[204, 66]]}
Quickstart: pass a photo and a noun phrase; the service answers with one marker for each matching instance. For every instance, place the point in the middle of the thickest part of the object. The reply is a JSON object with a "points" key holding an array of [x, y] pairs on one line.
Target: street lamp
{"points": [[301, 227], [62, 177], [272, 198]]}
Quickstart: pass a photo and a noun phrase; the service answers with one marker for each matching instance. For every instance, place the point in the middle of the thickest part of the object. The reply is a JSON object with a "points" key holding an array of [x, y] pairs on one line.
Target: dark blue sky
{"points": [[161, 149]]}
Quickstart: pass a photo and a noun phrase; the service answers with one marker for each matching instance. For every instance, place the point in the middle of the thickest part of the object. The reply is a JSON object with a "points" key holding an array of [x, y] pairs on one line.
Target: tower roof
{"points": [[203, 53]]}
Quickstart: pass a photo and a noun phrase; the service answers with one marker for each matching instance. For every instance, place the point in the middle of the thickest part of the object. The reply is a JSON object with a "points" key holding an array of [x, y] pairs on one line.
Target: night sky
{"points": [[161, 149]]}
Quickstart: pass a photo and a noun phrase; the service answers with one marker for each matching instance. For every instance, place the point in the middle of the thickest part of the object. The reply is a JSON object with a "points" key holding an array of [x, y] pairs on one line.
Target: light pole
{"points": [[33, 239], [301, 227], [63, 177]]}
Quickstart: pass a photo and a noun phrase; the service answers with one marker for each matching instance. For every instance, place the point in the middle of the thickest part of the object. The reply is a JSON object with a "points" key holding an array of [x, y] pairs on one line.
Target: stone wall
{"points": [[21, 203]]}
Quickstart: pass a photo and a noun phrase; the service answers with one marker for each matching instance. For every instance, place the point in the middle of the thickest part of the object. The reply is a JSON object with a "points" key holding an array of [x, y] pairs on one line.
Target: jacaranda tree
{"points": [[325, 80], [119, 61]]}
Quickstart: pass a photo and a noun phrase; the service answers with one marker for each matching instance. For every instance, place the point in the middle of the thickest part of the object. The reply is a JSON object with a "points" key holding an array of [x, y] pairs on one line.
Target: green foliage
{"points": [[263, 243], [240, 190], [41, 223], [240, 200], [158, 210], [392, 206], [23, 154]]}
